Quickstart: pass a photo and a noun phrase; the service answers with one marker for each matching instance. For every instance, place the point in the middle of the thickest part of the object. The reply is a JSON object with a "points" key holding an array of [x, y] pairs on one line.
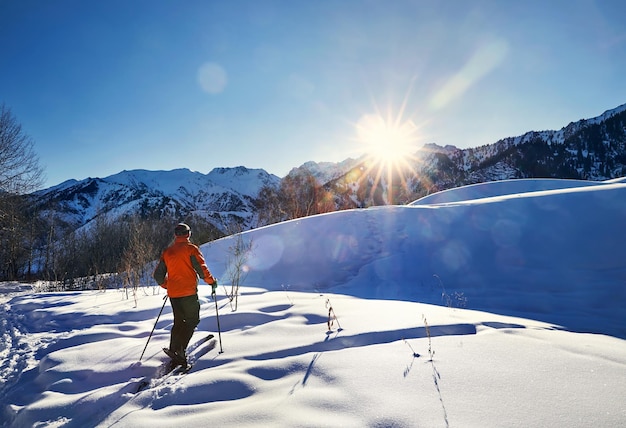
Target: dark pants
{"points": [[186, 318]]}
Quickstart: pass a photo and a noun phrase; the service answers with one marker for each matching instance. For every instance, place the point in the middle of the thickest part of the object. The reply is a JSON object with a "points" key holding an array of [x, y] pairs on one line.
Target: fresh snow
{"points": [[240, 179], [540, 267], [503, 187]]}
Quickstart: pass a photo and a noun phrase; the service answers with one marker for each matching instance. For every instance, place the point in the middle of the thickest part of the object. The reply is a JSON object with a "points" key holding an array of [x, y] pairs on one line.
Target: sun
{"points": [[390, 144], [387, 142]]}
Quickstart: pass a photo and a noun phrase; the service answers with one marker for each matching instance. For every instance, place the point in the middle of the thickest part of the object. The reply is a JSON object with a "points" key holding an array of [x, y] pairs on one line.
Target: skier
{"points": [[178, 270]]}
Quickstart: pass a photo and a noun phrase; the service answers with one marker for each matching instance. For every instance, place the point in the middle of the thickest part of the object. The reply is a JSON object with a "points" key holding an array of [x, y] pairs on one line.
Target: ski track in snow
{"points": [[12, 357], [16, 354]]}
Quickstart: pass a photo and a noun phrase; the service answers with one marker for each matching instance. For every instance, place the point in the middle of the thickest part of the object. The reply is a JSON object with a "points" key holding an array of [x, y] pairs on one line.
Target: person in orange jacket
{"points": [[178, 270]]}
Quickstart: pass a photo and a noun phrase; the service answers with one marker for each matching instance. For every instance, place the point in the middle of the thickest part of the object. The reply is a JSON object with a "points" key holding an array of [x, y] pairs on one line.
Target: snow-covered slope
{"points": [[501, 188], [336, 325], [531, 251]]}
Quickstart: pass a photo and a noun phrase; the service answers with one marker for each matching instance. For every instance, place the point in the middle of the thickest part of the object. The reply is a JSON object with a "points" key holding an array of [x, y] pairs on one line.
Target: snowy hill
{"points": [[502, 188], [538, 266], [482, 248]]}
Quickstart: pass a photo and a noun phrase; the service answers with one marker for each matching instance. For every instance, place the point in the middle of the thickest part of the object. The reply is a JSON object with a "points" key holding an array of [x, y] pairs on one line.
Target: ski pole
{"points": [[217, 316], [155, 324]]}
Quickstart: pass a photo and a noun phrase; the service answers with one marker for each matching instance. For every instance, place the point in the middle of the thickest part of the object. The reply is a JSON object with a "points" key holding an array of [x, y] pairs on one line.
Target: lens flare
{"points": [[390, 142]]}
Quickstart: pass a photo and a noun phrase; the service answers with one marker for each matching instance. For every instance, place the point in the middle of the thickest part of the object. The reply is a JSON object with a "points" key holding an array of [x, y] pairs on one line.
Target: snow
{"points": [[540, 268], [241, 179], [501, 188], [607, 115]]}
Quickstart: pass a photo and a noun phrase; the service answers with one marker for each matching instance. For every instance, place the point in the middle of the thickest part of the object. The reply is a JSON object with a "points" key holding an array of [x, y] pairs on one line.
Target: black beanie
{"points": [[182, 229]]}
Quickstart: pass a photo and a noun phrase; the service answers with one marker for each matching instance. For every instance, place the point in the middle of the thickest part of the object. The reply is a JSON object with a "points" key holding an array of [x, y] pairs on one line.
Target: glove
{"points": [[214, 285]]}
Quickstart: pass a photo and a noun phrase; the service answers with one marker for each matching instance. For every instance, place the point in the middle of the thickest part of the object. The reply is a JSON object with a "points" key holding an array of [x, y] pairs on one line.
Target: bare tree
{"points": [[140, 251], [20, 173], [269, 206], [302, 196], [236, 270], [236, 265]]}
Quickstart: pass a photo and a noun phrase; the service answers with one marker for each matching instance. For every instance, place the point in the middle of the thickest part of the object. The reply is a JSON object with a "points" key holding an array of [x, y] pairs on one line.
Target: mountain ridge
{"points": [[177, 192], [588, 149]]}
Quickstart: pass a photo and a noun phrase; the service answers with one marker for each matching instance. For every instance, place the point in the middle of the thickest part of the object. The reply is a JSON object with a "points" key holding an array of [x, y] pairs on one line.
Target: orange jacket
{"points": [[179, 268]]}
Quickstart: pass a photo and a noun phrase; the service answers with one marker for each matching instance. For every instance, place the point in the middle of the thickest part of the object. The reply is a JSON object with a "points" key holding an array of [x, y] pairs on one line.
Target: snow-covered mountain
{"points": [[177, 193], [589, 149]]}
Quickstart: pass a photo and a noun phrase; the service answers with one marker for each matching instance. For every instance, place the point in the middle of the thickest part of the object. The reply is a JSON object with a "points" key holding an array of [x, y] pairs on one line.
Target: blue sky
{"points": [[113, 85]]}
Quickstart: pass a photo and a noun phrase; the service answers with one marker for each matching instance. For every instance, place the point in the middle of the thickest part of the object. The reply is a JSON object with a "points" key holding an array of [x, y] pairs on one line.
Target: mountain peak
{"points": [[236, 170]]}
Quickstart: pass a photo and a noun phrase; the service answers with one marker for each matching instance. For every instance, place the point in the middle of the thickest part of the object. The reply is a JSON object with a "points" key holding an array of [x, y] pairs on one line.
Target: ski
{"points": [[191, 348], [171, 368]]}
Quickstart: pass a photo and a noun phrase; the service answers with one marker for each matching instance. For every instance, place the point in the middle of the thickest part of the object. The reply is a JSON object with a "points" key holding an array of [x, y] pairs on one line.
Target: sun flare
{"points": [[387, 142], [390, 145]]}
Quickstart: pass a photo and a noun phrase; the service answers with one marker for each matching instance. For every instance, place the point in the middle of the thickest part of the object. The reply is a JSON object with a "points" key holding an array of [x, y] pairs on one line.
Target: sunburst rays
{"points": [[390, 141]]}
